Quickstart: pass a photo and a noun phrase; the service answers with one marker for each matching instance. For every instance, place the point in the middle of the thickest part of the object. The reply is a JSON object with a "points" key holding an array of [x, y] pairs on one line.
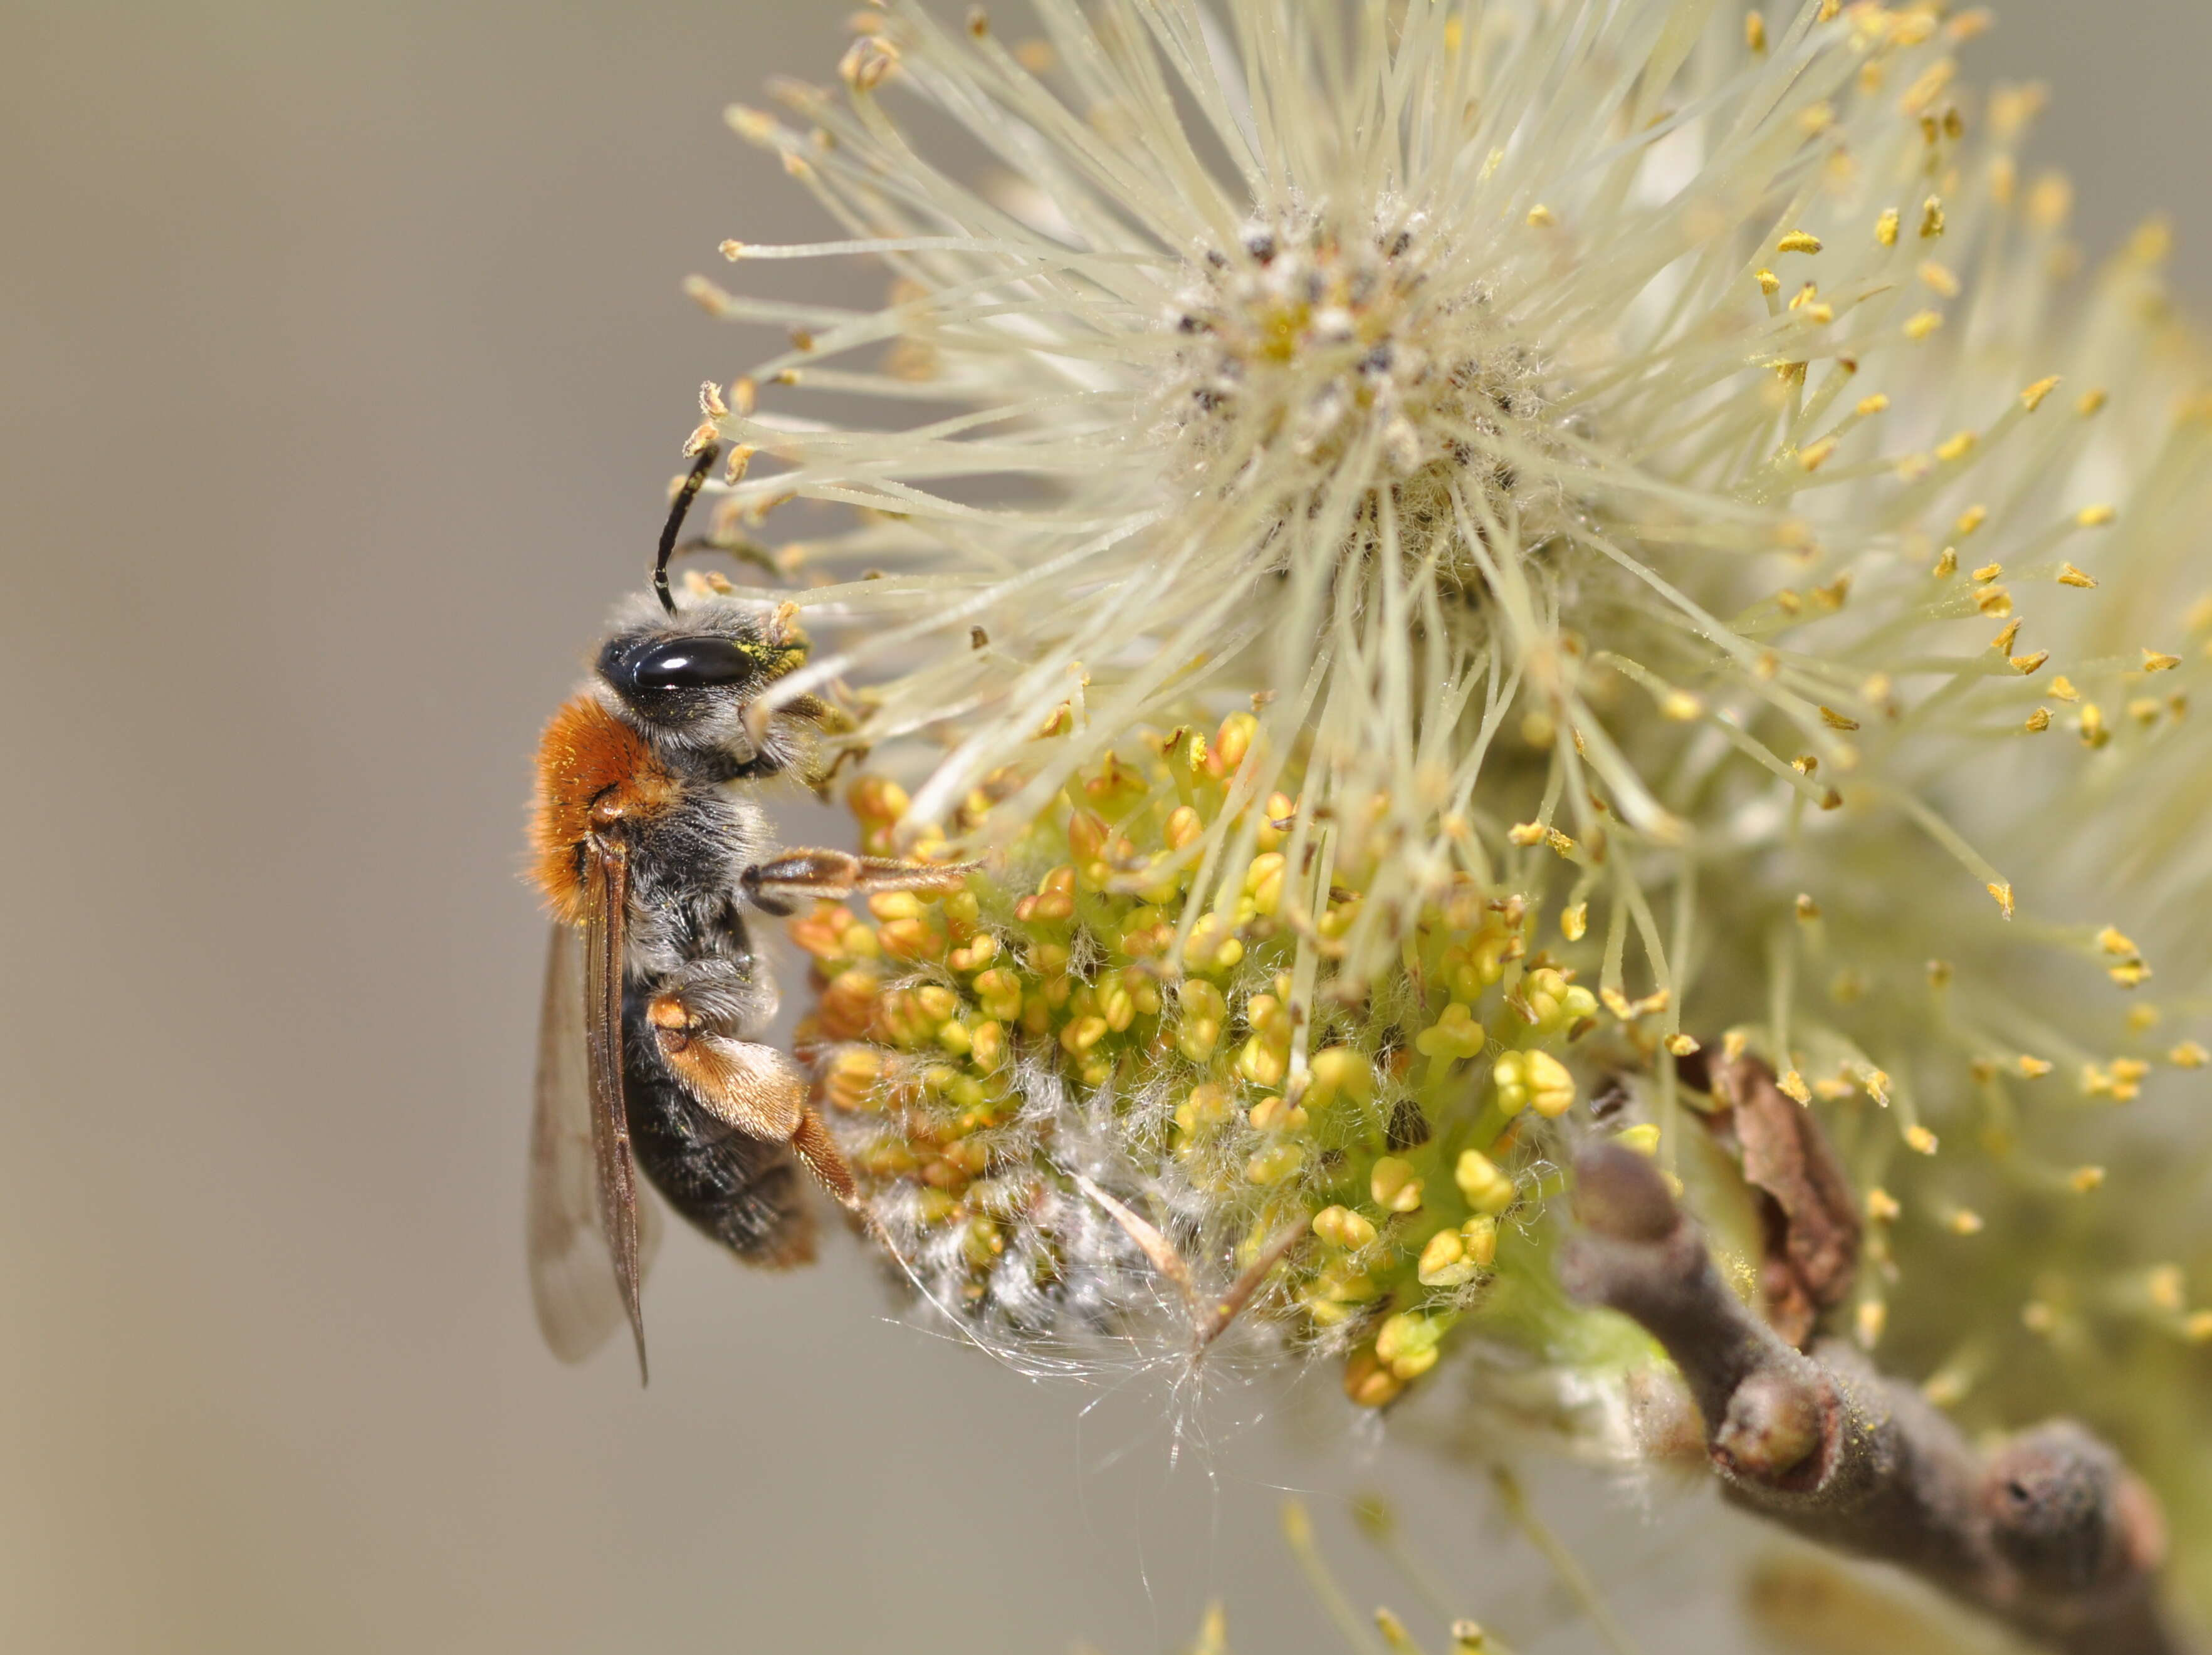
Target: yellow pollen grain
{"points": [[1920, 326], [1798, 241]]}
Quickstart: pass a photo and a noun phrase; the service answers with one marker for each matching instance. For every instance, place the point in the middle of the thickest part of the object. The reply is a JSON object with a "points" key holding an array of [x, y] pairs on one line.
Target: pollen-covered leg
{"points": [[826, 1160], [749, 1086], [779, 884]]}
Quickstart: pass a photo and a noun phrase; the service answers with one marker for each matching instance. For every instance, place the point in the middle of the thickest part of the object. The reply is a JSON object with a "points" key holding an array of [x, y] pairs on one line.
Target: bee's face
{"points": [[692, 674]]}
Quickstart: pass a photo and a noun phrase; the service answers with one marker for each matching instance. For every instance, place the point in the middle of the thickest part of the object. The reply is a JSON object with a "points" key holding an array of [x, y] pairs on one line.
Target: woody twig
{"points": [[2048, 1532]]}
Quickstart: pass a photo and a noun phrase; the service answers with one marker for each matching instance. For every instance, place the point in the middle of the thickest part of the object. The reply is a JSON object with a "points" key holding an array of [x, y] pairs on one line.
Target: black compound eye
{"points": [[688, 664]]}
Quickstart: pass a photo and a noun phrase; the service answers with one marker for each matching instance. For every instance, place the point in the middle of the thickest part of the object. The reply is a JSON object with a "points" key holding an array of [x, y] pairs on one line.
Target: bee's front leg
{"points": [[780, 884], [746, 1085]]}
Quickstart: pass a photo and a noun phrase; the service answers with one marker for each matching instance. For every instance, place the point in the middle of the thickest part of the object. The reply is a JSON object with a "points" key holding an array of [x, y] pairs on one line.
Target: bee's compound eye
{"points": [[688, 664]]}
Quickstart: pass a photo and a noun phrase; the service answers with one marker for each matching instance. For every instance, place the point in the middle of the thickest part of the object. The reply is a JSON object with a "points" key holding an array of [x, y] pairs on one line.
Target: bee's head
{"points": [[687, 677], [690, 675]]}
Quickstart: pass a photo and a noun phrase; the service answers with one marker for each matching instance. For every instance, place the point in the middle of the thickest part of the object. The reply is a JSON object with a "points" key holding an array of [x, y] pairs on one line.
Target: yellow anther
{"points": [[2189, 1055], [1869, 1320], [1956, 447], [1534, 1080], [1885, 227], [1540, 217], [2095, 517], [1443, 1262], [1939, 278], [1881, 1206], [2155, 662], [1393, 1186], [1920, 1140], [2002, 890], [1798, 241], [1574, 922], [1642, 1137], [1931, 218], [1791, 1085], [1947, 563], [1454, 1035], [1340, 1226], [2027, 664], [2091, 726], [1275, 1164], [1868, 406], [2083, 1179], [2037, 721], [1923, 323], [1812, 458], [1486, 1189], [1681, 1046], [1754, 32], [1965, 1222]]}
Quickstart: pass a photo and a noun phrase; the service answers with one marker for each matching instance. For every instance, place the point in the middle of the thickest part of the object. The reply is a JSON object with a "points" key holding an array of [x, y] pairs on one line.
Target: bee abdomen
{"points": [[742, 1191]]}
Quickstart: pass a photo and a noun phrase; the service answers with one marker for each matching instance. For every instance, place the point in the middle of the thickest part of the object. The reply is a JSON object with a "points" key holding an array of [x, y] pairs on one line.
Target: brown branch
{"points": [[2049, 1532]]}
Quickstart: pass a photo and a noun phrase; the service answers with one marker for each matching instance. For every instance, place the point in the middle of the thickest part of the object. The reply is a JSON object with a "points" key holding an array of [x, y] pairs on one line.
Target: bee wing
{"points": [[574, 1280]]}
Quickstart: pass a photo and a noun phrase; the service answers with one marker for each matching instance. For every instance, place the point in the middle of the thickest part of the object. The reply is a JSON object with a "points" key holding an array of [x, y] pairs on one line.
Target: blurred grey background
{"points": [[344, 364]]}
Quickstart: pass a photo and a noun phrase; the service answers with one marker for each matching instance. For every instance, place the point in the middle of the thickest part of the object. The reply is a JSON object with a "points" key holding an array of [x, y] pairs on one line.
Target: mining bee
{"points": [[653, 850]]}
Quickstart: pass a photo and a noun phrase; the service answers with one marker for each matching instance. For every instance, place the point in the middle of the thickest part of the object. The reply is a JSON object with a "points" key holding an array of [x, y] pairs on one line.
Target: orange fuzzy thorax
{"points": [[586, 757]]}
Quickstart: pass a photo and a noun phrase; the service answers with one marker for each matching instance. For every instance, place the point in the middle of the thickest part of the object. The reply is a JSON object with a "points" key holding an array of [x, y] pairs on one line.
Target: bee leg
{"points": [[780, 884], [749, 1086]]}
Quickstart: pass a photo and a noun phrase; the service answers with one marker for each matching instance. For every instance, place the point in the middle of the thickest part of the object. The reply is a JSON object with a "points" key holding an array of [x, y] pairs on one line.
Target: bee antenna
{"points": [[684, 496]]}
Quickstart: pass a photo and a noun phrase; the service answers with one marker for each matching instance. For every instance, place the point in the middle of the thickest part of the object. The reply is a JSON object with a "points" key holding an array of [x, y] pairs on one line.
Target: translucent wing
{"points": [[573, 1279]]}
